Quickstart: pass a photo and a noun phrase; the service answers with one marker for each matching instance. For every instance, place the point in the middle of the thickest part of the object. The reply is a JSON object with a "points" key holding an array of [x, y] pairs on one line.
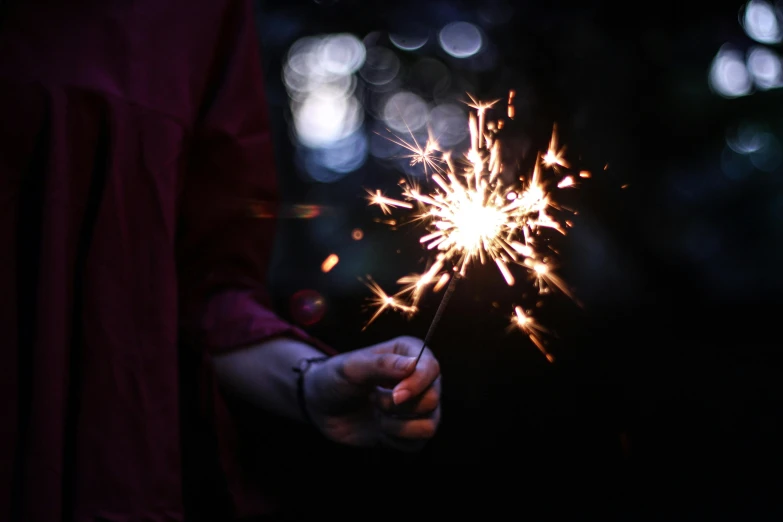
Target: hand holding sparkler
{"points": [[380, 395]]}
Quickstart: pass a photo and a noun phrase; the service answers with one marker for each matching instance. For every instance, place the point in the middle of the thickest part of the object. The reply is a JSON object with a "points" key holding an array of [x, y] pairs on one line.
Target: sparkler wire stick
{"points": [[438, 314]]}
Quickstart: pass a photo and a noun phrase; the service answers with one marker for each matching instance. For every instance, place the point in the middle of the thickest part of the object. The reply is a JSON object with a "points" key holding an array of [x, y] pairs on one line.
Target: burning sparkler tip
{"points": [[474, 217]]}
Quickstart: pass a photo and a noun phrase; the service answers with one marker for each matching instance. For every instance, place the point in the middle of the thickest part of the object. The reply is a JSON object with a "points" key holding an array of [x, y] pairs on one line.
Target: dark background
{"points": [[665, 399]]}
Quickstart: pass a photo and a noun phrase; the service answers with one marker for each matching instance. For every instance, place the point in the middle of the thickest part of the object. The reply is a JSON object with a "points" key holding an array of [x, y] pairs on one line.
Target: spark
{"points": [[329, 263], [481, 110], [474, 216], [424, 155], [511, 107], [554, 156], [567, 181], [382, 301], [377, 198], [529, 326]]}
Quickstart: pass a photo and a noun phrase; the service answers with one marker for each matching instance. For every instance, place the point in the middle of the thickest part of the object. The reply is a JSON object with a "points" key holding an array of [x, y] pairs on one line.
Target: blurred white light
{"points": [[761, 22], [728, 75], [408, 42], [460, 39], [342, 54], [405, 112], [319, 76], [300, 86], [764, 66], [299, 50], [321, 121], [309, 162], [295, 81], [380, 66], [449, 124], [745, 139], [300, 63], [338, 87], [304, 58], [345, 155]]}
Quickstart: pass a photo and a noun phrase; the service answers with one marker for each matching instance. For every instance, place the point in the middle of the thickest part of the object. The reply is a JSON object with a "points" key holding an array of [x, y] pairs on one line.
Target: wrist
{"points": [[304, 386]]}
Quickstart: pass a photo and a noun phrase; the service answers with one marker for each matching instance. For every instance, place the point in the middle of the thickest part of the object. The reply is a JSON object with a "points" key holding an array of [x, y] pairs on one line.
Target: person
{"points": [[134, 138]]}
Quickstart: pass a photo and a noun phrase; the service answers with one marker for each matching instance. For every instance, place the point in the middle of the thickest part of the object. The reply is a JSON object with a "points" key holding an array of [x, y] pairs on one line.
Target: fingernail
{"points": [[401, 396], [406, 363]]}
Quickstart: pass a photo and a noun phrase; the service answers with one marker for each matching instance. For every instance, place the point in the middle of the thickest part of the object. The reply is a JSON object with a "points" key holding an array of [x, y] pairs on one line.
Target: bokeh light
{"points": [[728, 75], [327, 115], [757, 144], [380, 67], [761, 22], [448, 122], [764, 67], [342, 54], [405, 112], [307, 307], [461, 39], [412, 39], [744, 138], [323, 119]]}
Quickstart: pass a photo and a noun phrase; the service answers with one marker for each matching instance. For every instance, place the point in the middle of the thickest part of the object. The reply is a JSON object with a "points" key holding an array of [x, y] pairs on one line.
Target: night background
{"points": [[664, 401]]}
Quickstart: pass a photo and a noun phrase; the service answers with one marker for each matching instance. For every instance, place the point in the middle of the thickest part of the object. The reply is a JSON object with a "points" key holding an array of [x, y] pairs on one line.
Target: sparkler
{"points": [[474, 215]]}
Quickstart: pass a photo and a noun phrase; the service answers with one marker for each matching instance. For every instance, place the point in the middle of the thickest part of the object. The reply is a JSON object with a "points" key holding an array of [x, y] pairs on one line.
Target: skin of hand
{"points": [[377, 396]]}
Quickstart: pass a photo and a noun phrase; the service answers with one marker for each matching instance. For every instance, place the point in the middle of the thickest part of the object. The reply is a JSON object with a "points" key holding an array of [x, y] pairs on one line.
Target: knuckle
{"points": [[409, 340], [430, 402], [428, 429], [386, 361]]}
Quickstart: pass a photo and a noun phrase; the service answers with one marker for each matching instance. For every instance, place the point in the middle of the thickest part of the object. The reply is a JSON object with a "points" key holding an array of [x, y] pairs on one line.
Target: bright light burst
{"points": [[473, 216]]}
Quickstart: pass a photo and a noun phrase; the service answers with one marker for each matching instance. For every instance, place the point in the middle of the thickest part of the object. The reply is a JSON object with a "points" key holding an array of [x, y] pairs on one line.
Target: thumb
{"points": [[367, 368]]}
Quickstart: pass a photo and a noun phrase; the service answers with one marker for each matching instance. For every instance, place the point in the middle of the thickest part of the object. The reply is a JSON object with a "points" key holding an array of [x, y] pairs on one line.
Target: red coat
{"points": [[134, 142]]}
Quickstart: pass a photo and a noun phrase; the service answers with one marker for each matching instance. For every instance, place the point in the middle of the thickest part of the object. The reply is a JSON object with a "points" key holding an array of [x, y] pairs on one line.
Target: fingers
{"points": [[423, 405], [408, 426], [415, 381], [423, 377], [367, 367], [404, 345], [410, 429]]}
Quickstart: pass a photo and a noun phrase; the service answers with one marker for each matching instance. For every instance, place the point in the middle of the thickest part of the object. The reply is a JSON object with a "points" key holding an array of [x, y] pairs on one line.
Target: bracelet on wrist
{"points": [[301, 369]]}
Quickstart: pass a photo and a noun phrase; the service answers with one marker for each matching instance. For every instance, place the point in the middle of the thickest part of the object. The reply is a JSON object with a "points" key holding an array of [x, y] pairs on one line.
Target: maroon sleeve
{"points": [[224, 246]]}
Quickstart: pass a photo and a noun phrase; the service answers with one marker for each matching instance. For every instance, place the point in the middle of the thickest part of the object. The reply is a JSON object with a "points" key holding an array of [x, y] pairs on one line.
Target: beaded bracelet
{"points": [[301, 369]]}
